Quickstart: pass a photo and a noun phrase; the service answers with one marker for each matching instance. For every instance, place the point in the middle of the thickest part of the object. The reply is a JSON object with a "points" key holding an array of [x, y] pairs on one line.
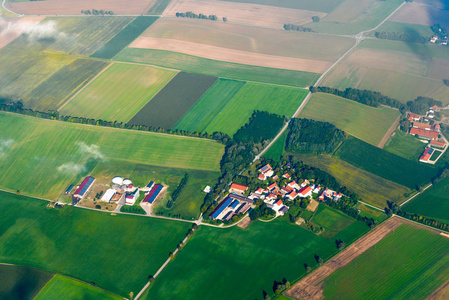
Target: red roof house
{"points": [[238, 188], [305, 192], [427, 134]]}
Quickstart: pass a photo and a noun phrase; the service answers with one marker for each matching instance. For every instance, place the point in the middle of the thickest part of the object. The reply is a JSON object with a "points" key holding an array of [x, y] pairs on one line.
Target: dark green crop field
{"points": [[385, 164], [124, 37], [241, 264], [173, 101], [117, 252]]}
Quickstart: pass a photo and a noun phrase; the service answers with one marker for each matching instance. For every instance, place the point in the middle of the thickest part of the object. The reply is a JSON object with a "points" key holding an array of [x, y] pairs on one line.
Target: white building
{"points": [[108, 195]]}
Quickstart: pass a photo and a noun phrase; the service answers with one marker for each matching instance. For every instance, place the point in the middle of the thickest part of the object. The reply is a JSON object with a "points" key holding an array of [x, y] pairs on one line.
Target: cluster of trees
{"points": [[98, 195], [409, 37], [261, 211], [178, 190], [261, 126], [316, 19], [17, 107], [421, 104], [440, 32], [393, 208], [446, 82], [96, 12], [313, 136], [135, 209], [366, 97], [192, 15], [294, 27]]}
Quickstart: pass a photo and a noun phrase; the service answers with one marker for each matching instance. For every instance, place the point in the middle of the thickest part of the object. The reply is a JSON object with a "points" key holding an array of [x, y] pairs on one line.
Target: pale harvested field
{"points": [[417, 13], [230, 55], [313, 205], [11, 28], [250, 38], [311, 288], [350, 11], [441, 294], [245, 13], [69, 7]]}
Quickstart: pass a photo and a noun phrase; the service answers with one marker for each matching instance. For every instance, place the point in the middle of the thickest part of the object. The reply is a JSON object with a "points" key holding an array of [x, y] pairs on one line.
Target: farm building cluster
{"points": [[121, 191], [425, 128]]}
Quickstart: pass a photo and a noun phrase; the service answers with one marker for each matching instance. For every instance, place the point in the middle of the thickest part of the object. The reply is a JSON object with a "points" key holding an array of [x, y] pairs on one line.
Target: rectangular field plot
{"points": [[195, 64], [405, 145], [173, 101], [279, 100], [433, 203], [118, 93], [211, 104], [62, 241], [244, 260], [367, 123], [385, 164], [64, 287], [22, 282], [409, 263], [42, 157], [124, 37], [315, 5], [333, 221]]}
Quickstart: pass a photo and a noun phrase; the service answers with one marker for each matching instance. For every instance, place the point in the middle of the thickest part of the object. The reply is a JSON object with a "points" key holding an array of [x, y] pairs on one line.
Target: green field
{"points": [[365, 122], [117, 252], [391, 26], [385, 164], [124, 37], [205, 66], [433, 203], [63, 287], [405, 145], [118, 93], [21, 282], [315, 5], [277, 149], [409, 263], [278, 100], [244, 260], [209, 106], [41, 157], [354, 16], [333, 221], [159, 7], [371, 188]]}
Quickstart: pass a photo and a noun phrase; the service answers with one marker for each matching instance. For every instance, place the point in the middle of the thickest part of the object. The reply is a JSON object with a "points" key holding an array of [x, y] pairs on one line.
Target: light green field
{"points": [[42, 157], [315, 5], [365, 122], [409, 263], [371, 188], [209, 106], [390, 26], [354, 16], [244, 260], [118, 93], [194, 64], [117, 252], [63, 287], [277, 149], [253, 96], [405, 145], [399, 70], [333, 221]]}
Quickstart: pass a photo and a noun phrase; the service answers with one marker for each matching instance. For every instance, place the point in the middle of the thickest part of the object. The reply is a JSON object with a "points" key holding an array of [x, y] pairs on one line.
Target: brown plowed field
{"points": [[231, 55], [310, 287], [245, 13], [416, 13], [11, 28], [69, 7]]}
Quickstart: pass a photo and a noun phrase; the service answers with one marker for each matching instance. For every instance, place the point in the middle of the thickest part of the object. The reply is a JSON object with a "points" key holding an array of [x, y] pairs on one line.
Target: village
{"points": [[428, 131]]}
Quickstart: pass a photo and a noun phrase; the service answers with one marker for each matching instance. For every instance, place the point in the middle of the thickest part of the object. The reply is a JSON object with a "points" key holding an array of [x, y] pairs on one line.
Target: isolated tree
{"points": [[316, 19], [225, 19]]}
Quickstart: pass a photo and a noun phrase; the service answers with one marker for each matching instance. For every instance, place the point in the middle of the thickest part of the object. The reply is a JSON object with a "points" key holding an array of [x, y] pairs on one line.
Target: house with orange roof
{"points": [[238, 188], [305, 192]]}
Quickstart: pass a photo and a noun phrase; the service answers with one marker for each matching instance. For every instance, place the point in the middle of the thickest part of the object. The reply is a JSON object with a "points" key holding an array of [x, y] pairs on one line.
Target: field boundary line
{"points": [[389, 132], [427, 227], [7, 9], [372, 206], [412, 197], [85, 85]]}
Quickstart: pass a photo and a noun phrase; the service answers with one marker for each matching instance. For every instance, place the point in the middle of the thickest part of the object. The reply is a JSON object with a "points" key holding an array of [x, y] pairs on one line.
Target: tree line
{"points": [[409, 37], [96, 12], [178, 191], [192, 15], [293, 27]]}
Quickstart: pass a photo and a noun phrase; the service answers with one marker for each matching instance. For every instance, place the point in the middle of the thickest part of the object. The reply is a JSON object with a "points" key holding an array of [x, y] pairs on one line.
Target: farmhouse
{"points": [[230, 206], [437, 144], [413, 117], [427, 154], [84, 187], [421, 126], [305, 192], [262, 177], [131, 197], [266, 170], [238, 188], [424, 133]]}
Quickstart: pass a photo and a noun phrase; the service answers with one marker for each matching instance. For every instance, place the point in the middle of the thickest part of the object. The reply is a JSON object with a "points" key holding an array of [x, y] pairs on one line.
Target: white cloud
{"points": [[93, 150], [70, 168], [5, 146]]}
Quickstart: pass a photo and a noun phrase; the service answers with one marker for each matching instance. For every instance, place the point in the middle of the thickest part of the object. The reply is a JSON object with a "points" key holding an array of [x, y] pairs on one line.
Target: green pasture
{"points": [[333, 221], [433, 203], [277, 149], [63, 287], [391, 26], [371, 188], [405, 145], [354, 16], [365, 122], [188, 204], [244, 260], [315, 5], [385, 164], [21, 282], [118, 93], [42, 157], [369, 212], [209, 106], [124, 37], [210, 67], [409, 263], [279, 100], [117, 252]]}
